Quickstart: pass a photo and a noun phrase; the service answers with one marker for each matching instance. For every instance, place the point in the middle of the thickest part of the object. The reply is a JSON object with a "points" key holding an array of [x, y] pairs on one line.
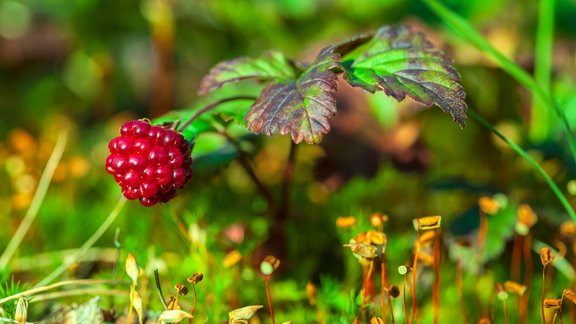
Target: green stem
{"points": [[530, 160], [87, 245], [466, 31], [540, 120]]}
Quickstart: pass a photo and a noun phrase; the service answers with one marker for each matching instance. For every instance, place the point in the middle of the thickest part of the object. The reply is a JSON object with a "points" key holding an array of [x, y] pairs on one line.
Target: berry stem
{"points": [[247, 166], [284, 211], [210, 107], [87, 245]]}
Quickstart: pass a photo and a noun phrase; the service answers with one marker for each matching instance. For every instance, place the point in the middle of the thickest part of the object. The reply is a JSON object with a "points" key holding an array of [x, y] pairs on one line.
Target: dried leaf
{"points": [[173, 316], [244, 313], [300, 106], [138, 306], [132, 268], [21, 313], [362, 250], [271, 66], [402, 63]]}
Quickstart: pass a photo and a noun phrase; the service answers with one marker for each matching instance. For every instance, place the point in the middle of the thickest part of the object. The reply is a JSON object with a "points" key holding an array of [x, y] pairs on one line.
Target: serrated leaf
{"points": [[271, 66], [300, 106], [403, 63]]}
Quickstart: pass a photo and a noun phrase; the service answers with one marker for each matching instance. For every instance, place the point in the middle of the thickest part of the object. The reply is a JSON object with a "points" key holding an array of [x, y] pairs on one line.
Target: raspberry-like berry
{"points": [[149, 162]]}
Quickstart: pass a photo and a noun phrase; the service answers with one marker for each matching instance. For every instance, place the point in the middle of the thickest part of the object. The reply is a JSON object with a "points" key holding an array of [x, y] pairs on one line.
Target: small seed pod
{"points": [[526, 218], [311, 292], [346, 221], [364, 251], [196, 278], [500, 292], [376, 320], [427, 223], [378, 219], [402, 270], [394, 291], [484, 320], [568, 228], [426, 239], [488, 205], [514, 288], [21, 313], [181, 290], [553, 303], [570, 295], [376, 237], [546, 256], [269, 265]]}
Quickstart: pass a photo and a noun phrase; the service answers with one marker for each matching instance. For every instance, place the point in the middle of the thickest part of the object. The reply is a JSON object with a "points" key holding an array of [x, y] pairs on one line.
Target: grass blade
{"points": [[540, 121], [37, 200], [530, 160], [466, 31]]}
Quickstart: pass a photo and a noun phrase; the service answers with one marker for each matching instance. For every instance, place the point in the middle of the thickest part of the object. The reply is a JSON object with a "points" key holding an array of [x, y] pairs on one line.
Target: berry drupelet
{"points": [[149, 162]]}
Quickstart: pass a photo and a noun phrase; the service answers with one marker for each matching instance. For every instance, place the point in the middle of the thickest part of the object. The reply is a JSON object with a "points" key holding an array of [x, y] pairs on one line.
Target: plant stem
{"points": [[530, 160], [461, 290], [382, 286], [540, 121], [286, 182], [249, 169], [37, 200], [78, 292], [87, 245], [505, 306], [78, 282], [542, 295], [269, 297], [193, 304], [159, 289], [210, 107], [528, 270], [413, 287], [404, 298], [436, 288]]}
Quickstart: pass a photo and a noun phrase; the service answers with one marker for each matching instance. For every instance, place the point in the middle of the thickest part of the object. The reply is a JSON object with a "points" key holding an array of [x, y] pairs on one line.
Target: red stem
{"points": [[269, 300]]}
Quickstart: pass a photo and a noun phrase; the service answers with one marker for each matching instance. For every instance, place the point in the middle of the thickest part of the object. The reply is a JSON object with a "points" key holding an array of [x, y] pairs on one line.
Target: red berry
{"points": [[150, 163]]}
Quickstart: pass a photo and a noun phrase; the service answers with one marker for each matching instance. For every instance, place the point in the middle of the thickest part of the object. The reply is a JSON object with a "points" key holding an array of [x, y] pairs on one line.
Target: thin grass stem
{"points": [[87, 245], [37, 200], [530, 160], [466, 31]]}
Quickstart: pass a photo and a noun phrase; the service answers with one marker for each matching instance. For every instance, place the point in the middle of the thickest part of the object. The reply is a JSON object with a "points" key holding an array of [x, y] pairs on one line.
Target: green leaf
{"points": [[402, 63], [271, 66], [300, 106]]}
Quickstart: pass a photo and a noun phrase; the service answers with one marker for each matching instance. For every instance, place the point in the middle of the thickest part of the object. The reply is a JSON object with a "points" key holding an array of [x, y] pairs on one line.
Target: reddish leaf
{"points": [[300, 107]]}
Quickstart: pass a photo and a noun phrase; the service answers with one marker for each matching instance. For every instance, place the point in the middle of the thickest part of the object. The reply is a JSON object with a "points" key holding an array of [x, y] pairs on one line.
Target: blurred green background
{"points": [[85, 66]]}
